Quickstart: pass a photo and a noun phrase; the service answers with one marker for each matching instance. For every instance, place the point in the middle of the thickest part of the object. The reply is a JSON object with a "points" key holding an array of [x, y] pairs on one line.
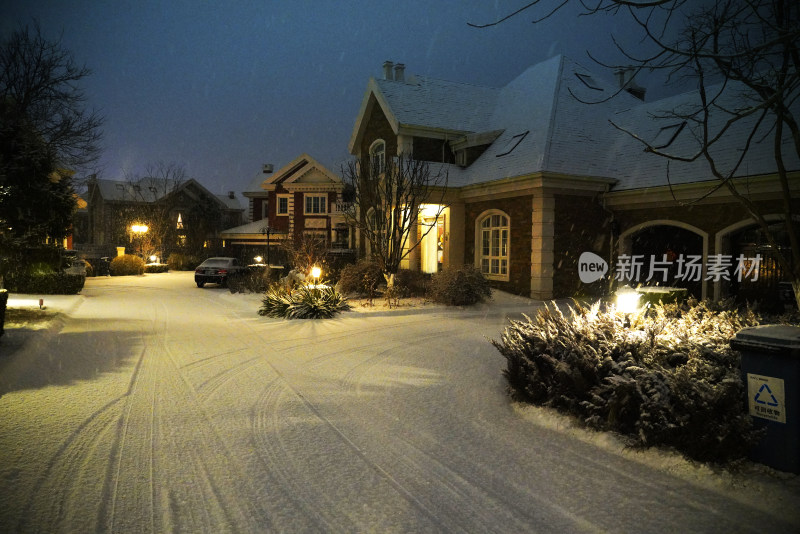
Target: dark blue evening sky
{"points": [[223, 87]]}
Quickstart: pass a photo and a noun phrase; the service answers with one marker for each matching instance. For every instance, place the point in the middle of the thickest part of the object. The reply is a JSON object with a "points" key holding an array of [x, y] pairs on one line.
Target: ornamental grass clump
{"points": [[666, 377], [302, 302]]}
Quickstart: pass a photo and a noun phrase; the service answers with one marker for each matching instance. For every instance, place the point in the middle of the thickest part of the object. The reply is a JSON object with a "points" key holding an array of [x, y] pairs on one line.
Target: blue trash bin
{"points": [[771, 375]]}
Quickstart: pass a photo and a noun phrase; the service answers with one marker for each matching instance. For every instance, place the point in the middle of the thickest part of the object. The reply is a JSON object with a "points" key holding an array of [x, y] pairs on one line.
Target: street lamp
{"points": [[139, 230], [266, 230]]}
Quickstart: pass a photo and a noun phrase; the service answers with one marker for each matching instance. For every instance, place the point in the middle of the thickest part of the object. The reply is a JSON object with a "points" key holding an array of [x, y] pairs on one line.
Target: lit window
{"points": [[179, 224], [494, 245], [377, 156], [283, 205], [512, 144], [316, 204]]}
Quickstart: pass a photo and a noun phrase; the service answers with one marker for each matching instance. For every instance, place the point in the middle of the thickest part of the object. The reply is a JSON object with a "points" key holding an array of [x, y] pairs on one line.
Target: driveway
{"points": [[155, 406]]}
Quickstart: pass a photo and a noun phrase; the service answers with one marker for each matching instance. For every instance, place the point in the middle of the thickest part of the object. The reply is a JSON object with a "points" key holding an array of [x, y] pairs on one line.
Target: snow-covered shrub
{"points": [[156, 268], [254, 280], [459, 286], [126, 265], [361, 278], [411, 283], [667, 377], [47, 283], [302, 302]]}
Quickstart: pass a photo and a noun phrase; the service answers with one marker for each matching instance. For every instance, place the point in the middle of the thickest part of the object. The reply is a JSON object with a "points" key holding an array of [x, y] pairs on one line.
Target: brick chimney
{"points": [[400, 72], [387, 70], [267, 168]]}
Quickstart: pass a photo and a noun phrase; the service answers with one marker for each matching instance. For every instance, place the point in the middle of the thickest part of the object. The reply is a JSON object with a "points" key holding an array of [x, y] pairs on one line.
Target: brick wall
{"points": [[581, 225], [378, 127]]}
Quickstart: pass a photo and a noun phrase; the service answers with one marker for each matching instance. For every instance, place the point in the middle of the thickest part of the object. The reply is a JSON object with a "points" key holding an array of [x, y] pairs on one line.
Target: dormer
{"points": [[469, 147]]}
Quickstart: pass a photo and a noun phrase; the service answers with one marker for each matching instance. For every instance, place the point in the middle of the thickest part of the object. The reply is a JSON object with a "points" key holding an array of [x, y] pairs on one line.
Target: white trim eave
{"points": [[529, 183], [416, 130], [360, 125], [754, 187]]}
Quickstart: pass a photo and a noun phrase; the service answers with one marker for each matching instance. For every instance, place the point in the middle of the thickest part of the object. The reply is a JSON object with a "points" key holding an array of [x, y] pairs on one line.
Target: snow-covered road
{"points": [[155, 406]]}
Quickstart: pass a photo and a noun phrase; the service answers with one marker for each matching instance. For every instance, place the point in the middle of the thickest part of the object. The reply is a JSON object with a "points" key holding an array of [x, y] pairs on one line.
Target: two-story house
{"points": [[303, 198], [183, 216], [539, 174]]}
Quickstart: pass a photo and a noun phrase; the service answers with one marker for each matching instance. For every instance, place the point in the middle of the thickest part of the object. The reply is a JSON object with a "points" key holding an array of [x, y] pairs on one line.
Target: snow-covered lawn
{"points": [[150, 405]]}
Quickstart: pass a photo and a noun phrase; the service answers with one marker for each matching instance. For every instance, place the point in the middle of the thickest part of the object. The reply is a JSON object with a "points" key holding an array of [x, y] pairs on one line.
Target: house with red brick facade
{"points": [[301, 199], [545, 169]]}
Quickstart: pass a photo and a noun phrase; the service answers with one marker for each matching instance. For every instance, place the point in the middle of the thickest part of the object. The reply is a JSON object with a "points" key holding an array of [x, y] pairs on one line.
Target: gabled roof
{"points": [[555, 118], [153, 189], [426, 103], [303, 170]]}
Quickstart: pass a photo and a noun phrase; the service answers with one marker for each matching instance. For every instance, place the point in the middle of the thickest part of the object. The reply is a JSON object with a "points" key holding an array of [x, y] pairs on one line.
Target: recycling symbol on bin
{"points": [[771, 401]]}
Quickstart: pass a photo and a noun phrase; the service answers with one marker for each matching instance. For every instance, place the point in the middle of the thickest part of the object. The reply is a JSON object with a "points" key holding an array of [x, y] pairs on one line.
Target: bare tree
{"points": [[305, 251], [39, 79], [743, 57], [388, 198]]}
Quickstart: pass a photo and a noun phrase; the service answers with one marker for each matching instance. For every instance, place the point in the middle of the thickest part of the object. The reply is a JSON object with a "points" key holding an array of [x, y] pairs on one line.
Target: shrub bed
{"points": [[667, 377], [182, 262], [411, 283], [126, 265], [302, 302], [361, 278], [47, 283], [255, 280], [459, 286], [156, 268]]}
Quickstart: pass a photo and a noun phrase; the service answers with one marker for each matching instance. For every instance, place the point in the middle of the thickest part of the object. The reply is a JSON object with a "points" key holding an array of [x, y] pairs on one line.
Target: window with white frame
{"points": [[377, 156], [283, 205], [493, 245], [316, 204]]}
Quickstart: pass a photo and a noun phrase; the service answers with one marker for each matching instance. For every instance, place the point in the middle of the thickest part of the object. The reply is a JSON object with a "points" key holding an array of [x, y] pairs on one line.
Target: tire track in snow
{"points": [[413, 457], [312, 469], [225, 488], [66, 471], [206, 389]]}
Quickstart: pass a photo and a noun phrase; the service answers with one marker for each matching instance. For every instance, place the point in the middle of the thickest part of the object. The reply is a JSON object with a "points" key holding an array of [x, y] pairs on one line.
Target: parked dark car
{"points": [[217, 271]]}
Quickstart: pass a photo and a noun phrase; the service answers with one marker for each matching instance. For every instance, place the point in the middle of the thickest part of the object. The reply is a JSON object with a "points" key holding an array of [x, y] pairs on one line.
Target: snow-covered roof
{"points": [[230, 203], [556, 117], [250, 230], [154, 189]]}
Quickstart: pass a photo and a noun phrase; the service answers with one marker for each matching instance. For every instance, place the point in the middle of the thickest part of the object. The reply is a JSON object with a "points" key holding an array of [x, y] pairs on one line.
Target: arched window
{"points": [[492, 247], [377, 156]]}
